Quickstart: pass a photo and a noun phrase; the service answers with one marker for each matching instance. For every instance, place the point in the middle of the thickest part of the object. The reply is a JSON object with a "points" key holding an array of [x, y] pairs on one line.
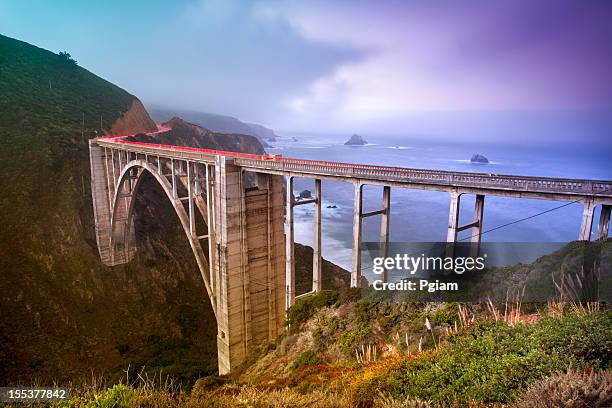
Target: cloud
{"points": [[440, 57]]}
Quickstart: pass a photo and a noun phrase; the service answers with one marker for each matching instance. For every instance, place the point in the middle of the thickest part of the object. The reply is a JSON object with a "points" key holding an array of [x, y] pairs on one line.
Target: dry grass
{"points": [[250, 396], [570, 389], [366, 354], [387, 401]]}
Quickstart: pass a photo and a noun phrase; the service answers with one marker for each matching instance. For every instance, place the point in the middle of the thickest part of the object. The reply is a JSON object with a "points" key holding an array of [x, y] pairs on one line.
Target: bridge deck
{"points": [[441, 180]]}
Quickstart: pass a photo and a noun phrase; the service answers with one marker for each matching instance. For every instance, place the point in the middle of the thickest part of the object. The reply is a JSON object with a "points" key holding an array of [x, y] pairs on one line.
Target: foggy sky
{"points": [[335, 66]]}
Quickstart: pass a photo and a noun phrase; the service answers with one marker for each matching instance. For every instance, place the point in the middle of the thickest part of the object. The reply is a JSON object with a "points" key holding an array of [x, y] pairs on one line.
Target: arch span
{"points": [[128, 184]]}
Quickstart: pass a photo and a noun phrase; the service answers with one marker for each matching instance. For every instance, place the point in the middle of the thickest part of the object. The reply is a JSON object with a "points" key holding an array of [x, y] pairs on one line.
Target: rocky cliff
{"points": [[135, 119], [188, 134]]}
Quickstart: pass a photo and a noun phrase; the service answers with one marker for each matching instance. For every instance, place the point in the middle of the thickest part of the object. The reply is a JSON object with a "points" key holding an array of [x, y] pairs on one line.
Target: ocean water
{"points": [[422, 216]]}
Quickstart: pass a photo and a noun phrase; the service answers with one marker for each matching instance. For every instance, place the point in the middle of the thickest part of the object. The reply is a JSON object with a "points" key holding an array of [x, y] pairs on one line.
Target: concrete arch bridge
{"points": [[240, 228]]}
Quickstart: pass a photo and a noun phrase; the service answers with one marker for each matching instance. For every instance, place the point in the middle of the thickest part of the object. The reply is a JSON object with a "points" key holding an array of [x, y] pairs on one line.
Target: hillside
{"points": [[63, 312], [64, 315], [216, 123], [344, 352]]}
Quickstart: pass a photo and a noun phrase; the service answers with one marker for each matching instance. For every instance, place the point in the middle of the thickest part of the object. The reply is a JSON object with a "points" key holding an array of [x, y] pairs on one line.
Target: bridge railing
{"points": [[447, 178], [372, 172]]}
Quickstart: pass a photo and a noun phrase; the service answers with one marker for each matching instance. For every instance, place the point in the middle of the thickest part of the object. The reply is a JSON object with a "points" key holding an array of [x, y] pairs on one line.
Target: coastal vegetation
{"points": [[471, 356]]}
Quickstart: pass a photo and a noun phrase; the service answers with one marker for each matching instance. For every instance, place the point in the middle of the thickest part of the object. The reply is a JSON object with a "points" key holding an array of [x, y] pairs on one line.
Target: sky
{"points": [[337, 66]]}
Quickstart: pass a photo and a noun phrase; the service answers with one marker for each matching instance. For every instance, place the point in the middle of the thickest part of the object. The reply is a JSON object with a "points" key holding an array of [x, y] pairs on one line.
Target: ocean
{"points": [[422, 216]]}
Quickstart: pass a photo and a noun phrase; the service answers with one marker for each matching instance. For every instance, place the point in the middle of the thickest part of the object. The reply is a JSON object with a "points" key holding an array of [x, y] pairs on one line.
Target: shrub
{"points": [[306, 358], [349, 295], [581, 338], [447, 314], [570, 389], [306, 307], [350, 338], [494, 361], [119, 395]]}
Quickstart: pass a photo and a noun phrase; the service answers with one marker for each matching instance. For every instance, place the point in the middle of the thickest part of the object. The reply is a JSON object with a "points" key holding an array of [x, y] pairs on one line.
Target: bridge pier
{"points": [[604, 222], [384, 226], [475, 226], [588, 208], [317, 261], [289, 250], [249, 263], [356, 254], [358, 216], [453, 217]]}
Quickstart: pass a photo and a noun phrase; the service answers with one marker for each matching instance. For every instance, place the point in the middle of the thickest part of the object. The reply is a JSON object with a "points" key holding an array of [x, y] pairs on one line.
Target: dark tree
{"points": [[66, 57]]}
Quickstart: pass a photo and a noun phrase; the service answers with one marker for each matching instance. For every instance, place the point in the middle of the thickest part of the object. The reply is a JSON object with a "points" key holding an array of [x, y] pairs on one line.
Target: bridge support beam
{"points": [[232, 311], [453, 217], [477, 226], [289, 250], [604, 222], [384, 226], [317, 261], [356, 255], [588, 208]]}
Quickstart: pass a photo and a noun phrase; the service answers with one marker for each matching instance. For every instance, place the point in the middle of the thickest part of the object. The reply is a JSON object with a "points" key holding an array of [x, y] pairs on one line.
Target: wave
{"points": [[398, 147]]}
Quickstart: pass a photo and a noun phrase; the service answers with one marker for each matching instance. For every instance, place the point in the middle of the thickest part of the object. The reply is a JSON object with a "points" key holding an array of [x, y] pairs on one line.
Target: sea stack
{"points": [[356, 140], [305, 194], [479, 158]]}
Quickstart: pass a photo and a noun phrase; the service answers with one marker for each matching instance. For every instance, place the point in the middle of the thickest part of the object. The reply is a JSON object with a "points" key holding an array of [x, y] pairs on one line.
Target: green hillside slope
{"points": [[64, 314]]}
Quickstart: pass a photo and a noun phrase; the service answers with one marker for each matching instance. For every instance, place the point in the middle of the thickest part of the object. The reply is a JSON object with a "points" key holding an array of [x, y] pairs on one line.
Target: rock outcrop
{"points": [[135, 119], [305, 194], [188, 134], [479, 158], [356, 140]]}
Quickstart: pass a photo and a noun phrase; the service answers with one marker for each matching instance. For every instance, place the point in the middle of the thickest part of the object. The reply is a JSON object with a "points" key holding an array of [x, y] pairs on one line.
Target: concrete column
{"points": [[289, 254], [276, 254], [453, 217], [173, 175], [604, 222], [114, 171], [317, 262], [588, 208], [357, 212], [477, 228], [232, 341], [384, 226], [190, 185], [211, 231], [108, 181]]}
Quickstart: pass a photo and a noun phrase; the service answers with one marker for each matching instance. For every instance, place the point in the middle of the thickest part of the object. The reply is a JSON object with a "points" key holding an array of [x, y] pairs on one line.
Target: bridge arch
{"points": [[122, 224]]}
